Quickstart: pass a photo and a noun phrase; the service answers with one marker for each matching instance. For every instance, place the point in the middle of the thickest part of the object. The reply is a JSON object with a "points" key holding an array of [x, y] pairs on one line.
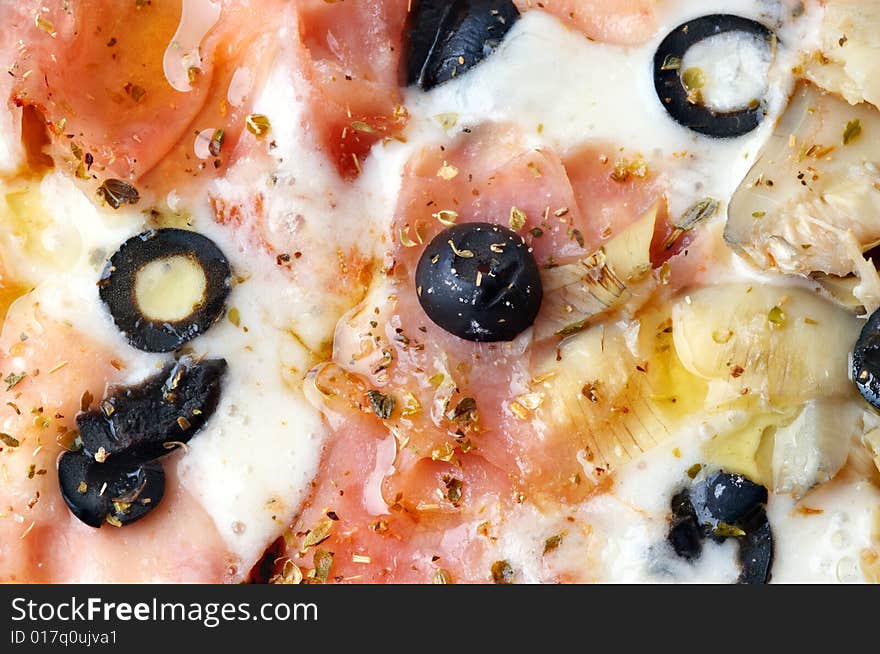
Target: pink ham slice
{"points": [[625, 22], [408, 526], [371, 543], [352, 57], [94, 70], [40, 540]]}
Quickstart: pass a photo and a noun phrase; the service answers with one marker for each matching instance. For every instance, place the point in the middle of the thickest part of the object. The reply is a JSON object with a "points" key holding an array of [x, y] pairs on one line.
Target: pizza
{"points": [[420, 291]]}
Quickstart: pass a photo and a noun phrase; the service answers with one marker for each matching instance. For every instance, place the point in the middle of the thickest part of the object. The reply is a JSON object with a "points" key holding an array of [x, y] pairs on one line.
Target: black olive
{"points": [[685, 534], [448, 38], [725, 497], [138, 423], [98, 492], [118, 288], [480, 282], [756, 550], [674, 95], [866, 361], [724, 506]]}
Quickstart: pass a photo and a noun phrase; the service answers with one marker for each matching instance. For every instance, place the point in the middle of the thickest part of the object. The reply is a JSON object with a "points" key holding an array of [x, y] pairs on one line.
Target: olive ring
{"points": [[671, 89], [118, 284]]}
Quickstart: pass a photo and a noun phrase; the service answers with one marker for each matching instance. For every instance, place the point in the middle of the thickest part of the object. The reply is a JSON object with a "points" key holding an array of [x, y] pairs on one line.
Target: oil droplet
{"points": [[239, 87], [182, 54], [202, 145], [238, 527]]}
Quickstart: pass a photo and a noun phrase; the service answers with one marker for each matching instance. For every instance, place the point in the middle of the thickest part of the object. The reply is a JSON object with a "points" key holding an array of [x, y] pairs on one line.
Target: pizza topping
{"points": [[446, 39], [803, 449], [756, 549], [257, 124], [576, 293], [844, 61], [502, 572], [479, 282], [866, 361], [852, 131], [118, 494], [697, 213], [165, 287], [725, 498], [704, 98], [350, 53], [721, 506], [116, 192], [129, 84], [808, 205], [685, 535], [383, 405], [732, 335], [149, 420], [9, 441], [629, 22]]}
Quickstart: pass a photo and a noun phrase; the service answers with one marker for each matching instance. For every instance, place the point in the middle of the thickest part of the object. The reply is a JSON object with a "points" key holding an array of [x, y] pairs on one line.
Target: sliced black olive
{"points": [[673, 93], [866, 361], [685, 534], [722, 506], [138, 423], [756, 550], [725, 497], [480, 282], [112, 492], [448, 38], [142, 326]]}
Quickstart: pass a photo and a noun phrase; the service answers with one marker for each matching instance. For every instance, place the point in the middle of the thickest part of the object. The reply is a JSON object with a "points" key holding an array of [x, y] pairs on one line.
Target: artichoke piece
{"points": [[772, 345], [791, 450], [809, 203], [814, 447], [871, 442], [629, 253], [847, 62], [577, 292], [618, 389], [840, 289]]}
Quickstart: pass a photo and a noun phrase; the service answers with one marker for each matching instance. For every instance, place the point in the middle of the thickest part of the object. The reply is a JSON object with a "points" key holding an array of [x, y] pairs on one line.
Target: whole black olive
{"points": [[725, 497], [480, 282]]}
